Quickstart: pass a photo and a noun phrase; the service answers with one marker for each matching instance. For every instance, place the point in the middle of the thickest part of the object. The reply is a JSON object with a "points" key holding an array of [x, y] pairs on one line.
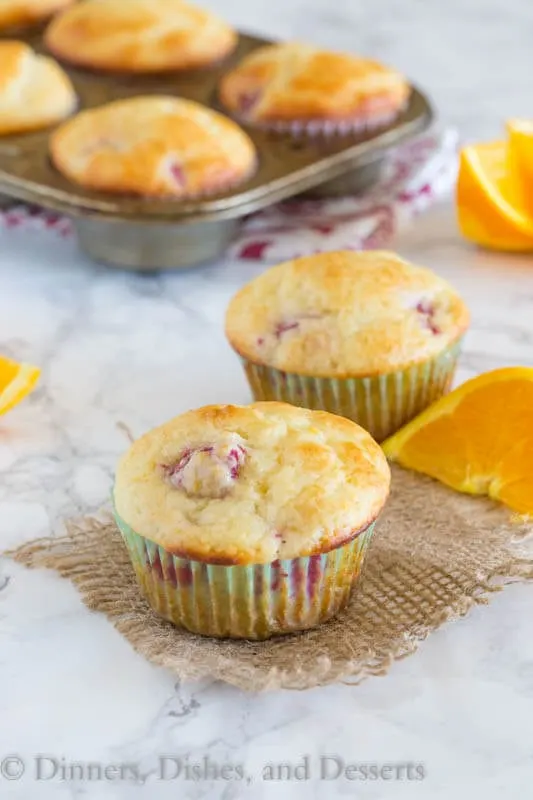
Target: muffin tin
{"points": [[148, 234]]}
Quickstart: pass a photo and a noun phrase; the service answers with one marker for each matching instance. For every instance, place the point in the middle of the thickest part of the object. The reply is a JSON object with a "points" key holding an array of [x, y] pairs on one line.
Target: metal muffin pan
{"points": [[153, 234]]}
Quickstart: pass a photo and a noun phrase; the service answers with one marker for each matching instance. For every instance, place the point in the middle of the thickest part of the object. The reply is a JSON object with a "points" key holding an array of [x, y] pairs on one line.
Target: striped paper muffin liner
{"points": [[353, 126], [254, 601], [382, 404], [346, 127]]}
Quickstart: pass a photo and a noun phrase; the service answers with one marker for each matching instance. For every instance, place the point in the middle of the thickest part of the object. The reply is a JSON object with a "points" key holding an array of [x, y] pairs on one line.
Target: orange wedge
{"points": [[490, 202], [477, 439], [16, 381], [520, 159]]}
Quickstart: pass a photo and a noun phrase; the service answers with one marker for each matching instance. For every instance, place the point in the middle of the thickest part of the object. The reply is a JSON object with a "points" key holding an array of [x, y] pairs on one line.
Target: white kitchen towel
{"points": [[415, 175]]}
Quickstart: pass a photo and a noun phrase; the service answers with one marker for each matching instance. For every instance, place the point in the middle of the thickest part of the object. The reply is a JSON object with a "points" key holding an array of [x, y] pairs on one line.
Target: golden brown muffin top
{"points": [[294, 81], [153, 146], [252, 484], [34, 90], [14, 13], [139, 35], [345, 314]]}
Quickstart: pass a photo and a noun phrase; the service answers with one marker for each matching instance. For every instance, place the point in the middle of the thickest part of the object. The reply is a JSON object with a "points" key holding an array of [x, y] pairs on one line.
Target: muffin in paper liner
{"points": [[246, 601], [382, 404], [324, 128], [303, 90], [363, 335], [250, 521]]}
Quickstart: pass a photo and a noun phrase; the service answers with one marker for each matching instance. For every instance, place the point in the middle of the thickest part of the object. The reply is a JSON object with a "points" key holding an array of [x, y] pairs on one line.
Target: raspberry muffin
{"points": [[34, 90], [153, 146], [139, 36], [299, 87], [366, 335], [20, 13], [250, 521]]}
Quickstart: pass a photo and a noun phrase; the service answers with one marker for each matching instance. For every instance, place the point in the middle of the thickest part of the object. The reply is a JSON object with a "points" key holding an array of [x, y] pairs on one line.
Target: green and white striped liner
{"points": [[381, 404], [246, 601]]}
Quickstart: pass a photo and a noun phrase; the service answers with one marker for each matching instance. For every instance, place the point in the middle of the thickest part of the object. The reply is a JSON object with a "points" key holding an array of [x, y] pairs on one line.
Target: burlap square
{"points": [[434, 555]]}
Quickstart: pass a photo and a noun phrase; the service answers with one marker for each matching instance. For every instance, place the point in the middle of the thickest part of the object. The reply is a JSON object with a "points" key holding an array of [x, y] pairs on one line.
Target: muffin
{"points": [[139, 36], [302, 88], [250, 521], [366, 335], [153, 146], [19, 13], [34, 90]]}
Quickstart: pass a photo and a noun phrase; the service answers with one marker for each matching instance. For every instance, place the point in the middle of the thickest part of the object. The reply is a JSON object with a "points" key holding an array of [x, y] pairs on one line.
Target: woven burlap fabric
{"points": [[434, 555]]}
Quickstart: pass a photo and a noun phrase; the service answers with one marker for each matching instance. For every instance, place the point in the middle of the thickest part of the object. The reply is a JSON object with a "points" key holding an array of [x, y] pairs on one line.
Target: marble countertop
{"points": [[118, 347]]}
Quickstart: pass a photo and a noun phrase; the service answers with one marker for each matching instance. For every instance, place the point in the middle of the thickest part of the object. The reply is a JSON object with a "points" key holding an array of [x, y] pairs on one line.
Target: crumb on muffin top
{"points": [[345, 314], [252, 484], [296, 81], [155, 146]]}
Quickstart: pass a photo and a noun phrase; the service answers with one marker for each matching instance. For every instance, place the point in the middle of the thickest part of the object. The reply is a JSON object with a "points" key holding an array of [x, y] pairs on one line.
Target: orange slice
{"points": [[520, 159], [477, 439], [16, 381], [490, 204]]}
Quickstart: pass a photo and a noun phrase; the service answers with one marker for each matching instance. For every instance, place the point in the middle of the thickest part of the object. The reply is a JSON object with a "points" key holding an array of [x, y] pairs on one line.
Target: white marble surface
{"points": [[116, 348]]}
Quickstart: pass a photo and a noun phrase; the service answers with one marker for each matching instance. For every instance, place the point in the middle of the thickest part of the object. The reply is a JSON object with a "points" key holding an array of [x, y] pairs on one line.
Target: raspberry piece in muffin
{"points": [[178, 174], [283, 327], [293, 323], [428, 311], [208, 470], [247, 100]]}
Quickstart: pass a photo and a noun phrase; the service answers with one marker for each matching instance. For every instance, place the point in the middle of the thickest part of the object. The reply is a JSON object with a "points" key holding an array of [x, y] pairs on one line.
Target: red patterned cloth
{"points": [[415, 175]]}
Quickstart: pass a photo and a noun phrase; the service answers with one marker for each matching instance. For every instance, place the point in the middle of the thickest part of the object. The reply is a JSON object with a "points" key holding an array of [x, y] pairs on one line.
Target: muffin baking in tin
{"points": [[300, 88], [34, 91], [153, 146], [169, 216], [139, 36]]}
